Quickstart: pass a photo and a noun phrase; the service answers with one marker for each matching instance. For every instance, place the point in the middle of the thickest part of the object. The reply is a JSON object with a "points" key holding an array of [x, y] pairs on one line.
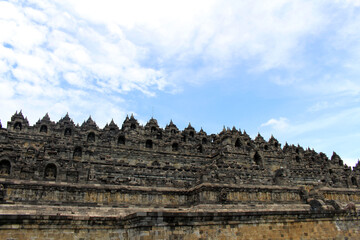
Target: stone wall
{"points": [[156, 225], [39, 192]]}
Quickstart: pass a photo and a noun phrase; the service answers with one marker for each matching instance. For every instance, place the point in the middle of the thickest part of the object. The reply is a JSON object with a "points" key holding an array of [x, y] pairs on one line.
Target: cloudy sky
{"points": [[287, 68]]}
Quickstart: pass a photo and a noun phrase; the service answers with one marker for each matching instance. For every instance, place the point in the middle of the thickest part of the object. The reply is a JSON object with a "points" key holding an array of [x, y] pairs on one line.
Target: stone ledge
{"points": [[82, 186], [167, 218]]}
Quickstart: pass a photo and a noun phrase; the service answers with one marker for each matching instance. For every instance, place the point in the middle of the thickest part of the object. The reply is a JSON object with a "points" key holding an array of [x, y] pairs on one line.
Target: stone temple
{"points": [[59, 180]]}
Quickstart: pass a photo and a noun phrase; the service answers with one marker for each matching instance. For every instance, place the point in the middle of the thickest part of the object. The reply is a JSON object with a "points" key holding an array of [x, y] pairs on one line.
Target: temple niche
{"points": [[175, 147], [237, 143], [5, 167], [149, 144], [43, 129], [121, 140], [78, 152], [91, 137], [67, 132], [257, 158], [18, 126], [199, 148], [280, 176], [354, 181], [50, 172]]}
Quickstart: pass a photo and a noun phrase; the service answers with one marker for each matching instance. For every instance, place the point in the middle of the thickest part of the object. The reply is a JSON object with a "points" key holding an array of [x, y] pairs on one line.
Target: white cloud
{"points": [[285, 81], [319, 106], [46, 43], [214, 31], [75, 79], [350, 2], [111, 40], [76, 53], [283, 125], [280, 124], [347, 39], [6, 90], [332, 85], [52, 60]]}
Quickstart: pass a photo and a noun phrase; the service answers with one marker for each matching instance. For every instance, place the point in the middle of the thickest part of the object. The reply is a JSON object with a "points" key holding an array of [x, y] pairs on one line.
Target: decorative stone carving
{"points": [[50, 172], [223, 195], [5, 167]]}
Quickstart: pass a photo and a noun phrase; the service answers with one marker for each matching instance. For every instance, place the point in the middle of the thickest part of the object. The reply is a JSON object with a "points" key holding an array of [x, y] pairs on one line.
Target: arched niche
{"points": [[175, 147], [204, 141], [192, 134], [341, 162], [199, 148], [354, 181], [50, 171], [91, 137], [5, 168], [280, 176], [18, 126], [133, 126], [148, 144], [159, 135], [67, 132], [121, 140], [43, 129], [77, 152], [257, 158], [238, 143]]}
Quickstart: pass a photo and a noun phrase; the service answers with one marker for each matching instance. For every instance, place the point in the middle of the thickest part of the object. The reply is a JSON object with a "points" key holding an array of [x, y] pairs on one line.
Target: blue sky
{"points": [[287, 68]]}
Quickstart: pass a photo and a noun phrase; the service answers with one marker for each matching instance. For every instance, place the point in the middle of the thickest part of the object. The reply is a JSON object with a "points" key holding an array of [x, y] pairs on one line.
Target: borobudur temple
{"points": [[59, 180]]}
